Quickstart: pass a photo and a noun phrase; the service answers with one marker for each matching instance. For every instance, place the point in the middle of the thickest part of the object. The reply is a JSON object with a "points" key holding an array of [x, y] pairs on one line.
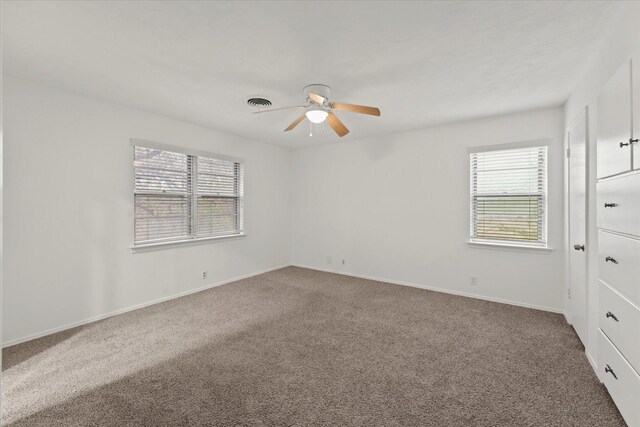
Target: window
{"points": [[509, 196], [181, 197]]}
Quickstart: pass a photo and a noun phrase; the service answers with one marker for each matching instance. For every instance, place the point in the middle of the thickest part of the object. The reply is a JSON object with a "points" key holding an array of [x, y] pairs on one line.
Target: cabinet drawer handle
{"points": [[578, 247], [607, 369], [610, 259], [610, 205], [626, 144], [613, 316]]}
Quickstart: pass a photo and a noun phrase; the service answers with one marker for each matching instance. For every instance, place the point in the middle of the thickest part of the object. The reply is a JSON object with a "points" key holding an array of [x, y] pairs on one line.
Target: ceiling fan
{"points": [[319, 109]]}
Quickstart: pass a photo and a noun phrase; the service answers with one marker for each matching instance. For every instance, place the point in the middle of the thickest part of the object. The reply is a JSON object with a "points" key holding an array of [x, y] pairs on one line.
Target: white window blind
{"points": [[509, 196], [181, 196], [219, 196]]}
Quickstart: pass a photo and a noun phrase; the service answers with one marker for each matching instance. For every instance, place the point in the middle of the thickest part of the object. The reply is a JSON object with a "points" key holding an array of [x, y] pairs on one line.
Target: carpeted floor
{"points": [[301, 347]]}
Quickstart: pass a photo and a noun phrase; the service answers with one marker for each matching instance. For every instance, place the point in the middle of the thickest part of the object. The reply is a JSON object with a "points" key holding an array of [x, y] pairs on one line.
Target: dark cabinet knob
{"points": [[611, 315], [607, 369], [626, 144], [578, 247], [610, 205], [610, 259]]}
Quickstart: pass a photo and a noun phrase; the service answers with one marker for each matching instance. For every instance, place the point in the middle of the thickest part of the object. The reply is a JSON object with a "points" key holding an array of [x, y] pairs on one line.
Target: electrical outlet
{"points": [[474, 281], [329, 260], [204, 275]]}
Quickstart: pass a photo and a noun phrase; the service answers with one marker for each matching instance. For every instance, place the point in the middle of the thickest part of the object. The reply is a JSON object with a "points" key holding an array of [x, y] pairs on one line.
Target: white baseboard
{"points": [[566, 317], [134, 307], [593, 363], [437, 289], [234, 279]]}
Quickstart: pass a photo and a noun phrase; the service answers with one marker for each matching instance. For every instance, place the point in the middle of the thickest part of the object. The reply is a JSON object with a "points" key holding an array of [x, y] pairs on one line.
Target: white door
{"points": [[577, 137]]}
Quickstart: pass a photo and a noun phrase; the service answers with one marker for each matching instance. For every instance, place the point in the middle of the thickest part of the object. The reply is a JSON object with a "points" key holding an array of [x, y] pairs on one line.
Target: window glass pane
{"points": [[155, 206], [217, 216], [159, 159], [158, 171], [217, 185], [508, 195], [161, 181], [161, 217], [215, 166], [151, 229], [507, 217]]}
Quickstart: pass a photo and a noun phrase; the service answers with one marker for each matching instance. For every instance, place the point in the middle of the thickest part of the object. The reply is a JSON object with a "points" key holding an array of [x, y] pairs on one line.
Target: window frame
{"points": [[193, 197], [523, 245]]}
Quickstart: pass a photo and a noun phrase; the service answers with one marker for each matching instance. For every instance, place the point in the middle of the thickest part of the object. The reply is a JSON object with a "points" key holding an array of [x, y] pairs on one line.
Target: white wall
{"points": [[394, 207], [397, 208], [69, 217], [622, 43]]}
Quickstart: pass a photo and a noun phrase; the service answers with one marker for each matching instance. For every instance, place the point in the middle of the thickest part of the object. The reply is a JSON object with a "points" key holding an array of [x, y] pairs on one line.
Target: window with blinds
{"points": [[509, 196], [180, 196]]}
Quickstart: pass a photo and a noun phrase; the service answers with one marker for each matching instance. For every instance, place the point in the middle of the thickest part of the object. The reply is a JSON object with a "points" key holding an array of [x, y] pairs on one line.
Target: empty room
{"points": [[331, 213]]}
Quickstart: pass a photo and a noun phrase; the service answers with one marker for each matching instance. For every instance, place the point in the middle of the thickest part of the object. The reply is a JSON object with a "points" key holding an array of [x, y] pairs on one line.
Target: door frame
{"points": [[569, 314]]}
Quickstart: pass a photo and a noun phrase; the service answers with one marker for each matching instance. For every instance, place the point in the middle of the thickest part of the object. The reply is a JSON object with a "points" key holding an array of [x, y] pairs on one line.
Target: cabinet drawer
{"points": [[619, 204], [620, 320], [622, 382], [619, 259], [614, 123]]}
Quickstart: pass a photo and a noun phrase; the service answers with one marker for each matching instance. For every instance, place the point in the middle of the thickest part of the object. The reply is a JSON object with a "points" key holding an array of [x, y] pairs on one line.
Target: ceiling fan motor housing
{"points": [[318, 89]]}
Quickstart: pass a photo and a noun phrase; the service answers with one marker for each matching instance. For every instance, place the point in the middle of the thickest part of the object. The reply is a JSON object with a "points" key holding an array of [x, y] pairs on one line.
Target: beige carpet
{"points": [[301, 347]]}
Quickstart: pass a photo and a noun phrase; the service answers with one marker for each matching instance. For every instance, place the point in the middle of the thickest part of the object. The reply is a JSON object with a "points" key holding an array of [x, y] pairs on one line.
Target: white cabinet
{"points": [[618, 208], [614, 124]]}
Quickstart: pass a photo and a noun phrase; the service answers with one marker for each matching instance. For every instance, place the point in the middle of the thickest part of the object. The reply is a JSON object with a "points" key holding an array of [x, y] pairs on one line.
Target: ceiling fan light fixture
{"points": [[316, 116]]}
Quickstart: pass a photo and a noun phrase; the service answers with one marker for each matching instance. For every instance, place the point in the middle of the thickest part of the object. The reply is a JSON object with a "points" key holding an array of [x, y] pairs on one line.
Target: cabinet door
{"points": [[614, 124]]}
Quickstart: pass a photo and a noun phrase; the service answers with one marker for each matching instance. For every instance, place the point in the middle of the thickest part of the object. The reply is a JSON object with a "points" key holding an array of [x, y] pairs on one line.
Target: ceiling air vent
{"points": [[258, 102]]}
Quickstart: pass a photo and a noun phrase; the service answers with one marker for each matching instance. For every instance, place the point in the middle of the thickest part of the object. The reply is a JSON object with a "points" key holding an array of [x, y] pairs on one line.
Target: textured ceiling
{"points": [[422, 63]]}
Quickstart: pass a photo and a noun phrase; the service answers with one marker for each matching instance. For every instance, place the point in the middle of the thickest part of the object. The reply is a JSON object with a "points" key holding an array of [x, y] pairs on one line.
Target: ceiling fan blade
{"points": [[295, 123], [337, 125], [316, 98], [372, 111], [278, 109]]}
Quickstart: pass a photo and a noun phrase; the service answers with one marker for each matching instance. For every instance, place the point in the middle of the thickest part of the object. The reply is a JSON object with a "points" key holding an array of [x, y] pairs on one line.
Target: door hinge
{"points": [[569, 293], [568, 152]]}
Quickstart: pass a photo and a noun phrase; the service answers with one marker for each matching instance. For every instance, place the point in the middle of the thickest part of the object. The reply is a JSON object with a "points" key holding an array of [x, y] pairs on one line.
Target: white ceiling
{"points": [[422, 63]]}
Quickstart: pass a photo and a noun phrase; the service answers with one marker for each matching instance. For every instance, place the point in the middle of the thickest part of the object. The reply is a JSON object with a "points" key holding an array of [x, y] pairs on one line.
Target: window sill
{"points": [[513, 247], [175, 243]]}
